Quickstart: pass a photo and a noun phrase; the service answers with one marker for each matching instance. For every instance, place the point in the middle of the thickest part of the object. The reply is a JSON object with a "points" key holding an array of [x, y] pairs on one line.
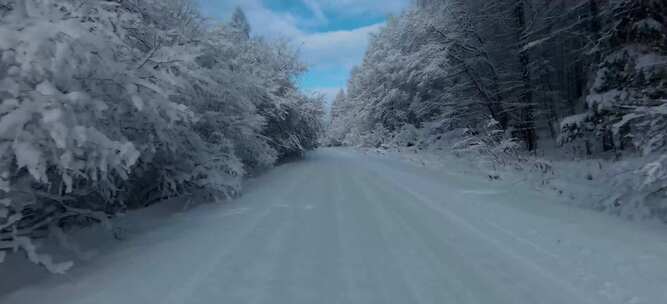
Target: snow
{"points": [[46, 88], [30, 157], [648, 24], [137, 102], [650, 61], [662, 110], [532, 44], [10, 124], [654, 171], [344, 226], [4, 185], [41, 259], [625, 120], [574, 120], [606, 100]]}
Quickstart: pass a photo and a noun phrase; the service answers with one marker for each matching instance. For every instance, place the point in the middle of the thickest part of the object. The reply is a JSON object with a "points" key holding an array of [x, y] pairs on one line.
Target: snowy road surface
{"points": [[345, 227]]}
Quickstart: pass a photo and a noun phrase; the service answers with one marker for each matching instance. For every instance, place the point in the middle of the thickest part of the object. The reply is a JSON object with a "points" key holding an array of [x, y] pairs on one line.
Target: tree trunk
{"points": [[527, 115]]}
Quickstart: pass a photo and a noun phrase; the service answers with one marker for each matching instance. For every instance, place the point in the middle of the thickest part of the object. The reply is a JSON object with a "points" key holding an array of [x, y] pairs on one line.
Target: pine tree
{"points": [[627, 101], [239, 24]]}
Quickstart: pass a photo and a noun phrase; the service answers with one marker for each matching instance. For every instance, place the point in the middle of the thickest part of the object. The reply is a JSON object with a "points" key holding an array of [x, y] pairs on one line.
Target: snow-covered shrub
{"points": [[64, 153], [577, 133], [651, 184], [488, 141], [407, 136], [295, 127], [371, 138], [639, 188]]}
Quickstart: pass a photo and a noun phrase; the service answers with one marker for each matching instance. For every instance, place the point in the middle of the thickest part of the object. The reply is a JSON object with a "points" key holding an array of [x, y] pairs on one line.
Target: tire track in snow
{"points": [[186, 291], [371, 275], [502, 248], [388, 251], [420, 262], [309, 263]]}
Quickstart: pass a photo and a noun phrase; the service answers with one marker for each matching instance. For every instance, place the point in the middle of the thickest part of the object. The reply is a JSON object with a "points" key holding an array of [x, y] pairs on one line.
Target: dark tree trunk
{"points": [[527, 116]]}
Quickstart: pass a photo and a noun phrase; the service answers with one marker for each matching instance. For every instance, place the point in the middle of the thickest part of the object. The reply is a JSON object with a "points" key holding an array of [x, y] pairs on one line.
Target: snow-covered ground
{"points": [[351, 227]]}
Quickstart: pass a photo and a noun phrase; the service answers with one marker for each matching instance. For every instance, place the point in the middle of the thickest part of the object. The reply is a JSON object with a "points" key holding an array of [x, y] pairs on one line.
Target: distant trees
{"points": [[108, 106], [337, 127]]}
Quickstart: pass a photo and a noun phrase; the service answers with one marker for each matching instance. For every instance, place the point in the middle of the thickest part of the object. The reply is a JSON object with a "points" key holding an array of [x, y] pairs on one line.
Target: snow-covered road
{"points": [[345, 227]]}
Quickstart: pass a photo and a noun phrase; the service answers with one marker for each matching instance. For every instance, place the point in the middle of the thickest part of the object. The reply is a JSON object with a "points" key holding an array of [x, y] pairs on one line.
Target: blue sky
{"points": [[332, 35]]}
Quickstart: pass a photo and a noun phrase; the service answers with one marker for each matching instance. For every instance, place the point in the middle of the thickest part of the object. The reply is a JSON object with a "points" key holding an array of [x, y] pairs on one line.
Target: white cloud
{"points": [[268, 23], [339, 48], [332, 51], [316, 9]]}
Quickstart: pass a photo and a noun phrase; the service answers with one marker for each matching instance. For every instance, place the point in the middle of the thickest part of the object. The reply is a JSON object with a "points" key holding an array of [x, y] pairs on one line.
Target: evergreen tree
{"points": [[627, 102], [239, 24]]}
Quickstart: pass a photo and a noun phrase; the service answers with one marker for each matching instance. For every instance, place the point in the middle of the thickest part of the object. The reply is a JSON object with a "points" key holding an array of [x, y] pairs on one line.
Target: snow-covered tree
{"points": [[431, 65], [239, 24], [108, 106], [627, 101], [337, 125]]}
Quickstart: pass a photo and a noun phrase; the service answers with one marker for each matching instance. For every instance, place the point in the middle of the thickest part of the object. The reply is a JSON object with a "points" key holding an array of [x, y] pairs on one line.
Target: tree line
{"points": [[590, 72]]}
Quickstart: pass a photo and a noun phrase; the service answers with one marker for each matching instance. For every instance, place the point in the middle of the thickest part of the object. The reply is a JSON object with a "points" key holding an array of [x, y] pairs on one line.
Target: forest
{"points": [[520, 84]]}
